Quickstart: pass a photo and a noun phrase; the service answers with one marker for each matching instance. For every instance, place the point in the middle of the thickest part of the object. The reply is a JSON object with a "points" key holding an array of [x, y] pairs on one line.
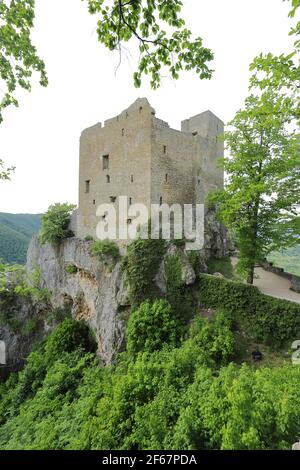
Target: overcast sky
{"points": [[41, 137]]}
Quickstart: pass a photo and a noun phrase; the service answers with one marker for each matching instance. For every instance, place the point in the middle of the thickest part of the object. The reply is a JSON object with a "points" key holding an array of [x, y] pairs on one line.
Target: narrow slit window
{"points": [[165, 149], [160, 200], [129, 221], [87, 186], [94, 201], [105, 162], [166, 177], [113, 198], [123, 132], [130, 201], [131, 178], [107, 178]]}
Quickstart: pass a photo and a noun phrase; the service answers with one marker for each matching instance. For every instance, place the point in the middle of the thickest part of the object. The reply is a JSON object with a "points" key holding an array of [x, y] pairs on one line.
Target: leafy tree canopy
{"points": [[118, 22], [174, 49], [18, 56], [55, 223]]}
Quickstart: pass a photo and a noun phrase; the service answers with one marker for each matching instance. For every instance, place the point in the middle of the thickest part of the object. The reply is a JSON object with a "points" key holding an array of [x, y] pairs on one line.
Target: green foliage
{"points": [[16, 231], [140, 265], [222, 266], [173, 398], [179, 296], [261, 197], [57, 315], [69, 336], [151, 326], [89, 238], [55, 223], [30, 286], [18, 56], [267, 319], [159, 51], [30, 326], [71, 269], [104, 249]]}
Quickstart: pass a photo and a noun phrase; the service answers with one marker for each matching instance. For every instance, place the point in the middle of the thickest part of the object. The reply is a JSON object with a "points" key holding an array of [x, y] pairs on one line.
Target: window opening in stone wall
{"points": [[105, 162], [166, 177], [130, 201], [113, 198], [123, 131], [160, 200], [165, 149], [107, 178], [131, 178], [87, 186]]}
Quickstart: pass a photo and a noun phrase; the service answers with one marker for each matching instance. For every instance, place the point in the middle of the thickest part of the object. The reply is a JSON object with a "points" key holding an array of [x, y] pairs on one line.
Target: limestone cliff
{"points": [[95, 292]]}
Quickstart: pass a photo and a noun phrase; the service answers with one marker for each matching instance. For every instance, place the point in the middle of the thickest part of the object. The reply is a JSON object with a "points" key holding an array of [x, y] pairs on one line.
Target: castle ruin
{"points": [[138, 155]]}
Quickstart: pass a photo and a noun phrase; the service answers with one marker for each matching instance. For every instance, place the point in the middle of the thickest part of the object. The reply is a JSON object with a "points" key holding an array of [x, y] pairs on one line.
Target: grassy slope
{"points": [[16, 231]]}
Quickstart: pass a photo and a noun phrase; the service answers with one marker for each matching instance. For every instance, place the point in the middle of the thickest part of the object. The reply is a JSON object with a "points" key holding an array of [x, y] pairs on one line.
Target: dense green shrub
{"points": [[55, 223], [223, 266], [104, 249], [140, 265], [69, 336], [178, 294], [151, 326], [89, 238], [270, 320]]}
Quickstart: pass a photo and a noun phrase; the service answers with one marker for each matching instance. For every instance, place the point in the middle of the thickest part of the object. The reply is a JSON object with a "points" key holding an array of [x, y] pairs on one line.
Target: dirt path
{"points": [[272, 284]]}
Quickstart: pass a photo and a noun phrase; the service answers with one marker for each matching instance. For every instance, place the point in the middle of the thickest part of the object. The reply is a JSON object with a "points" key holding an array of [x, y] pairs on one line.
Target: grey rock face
{"points": [[17, 345], [296, 446], [94, 293]]}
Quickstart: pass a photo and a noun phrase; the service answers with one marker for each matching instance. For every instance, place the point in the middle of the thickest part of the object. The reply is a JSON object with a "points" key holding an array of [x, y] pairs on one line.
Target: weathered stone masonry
{"points": [[139, 156]]}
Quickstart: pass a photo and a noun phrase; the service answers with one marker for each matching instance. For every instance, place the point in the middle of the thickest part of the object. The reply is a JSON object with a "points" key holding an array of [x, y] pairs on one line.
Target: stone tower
{"points": [[139, 156]]}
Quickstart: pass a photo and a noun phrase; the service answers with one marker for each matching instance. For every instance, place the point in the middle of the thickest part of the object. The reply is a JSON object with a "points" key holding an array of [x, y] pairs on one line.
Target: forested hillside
{"points": [[289, 259], [16, 231]]}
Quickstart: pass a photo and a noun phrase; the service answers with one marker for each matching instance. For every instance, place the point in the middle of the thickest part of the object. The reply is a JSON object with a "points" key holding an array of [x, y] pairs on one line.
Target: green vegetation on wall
{"points": [[267, 319], [140, 266]]}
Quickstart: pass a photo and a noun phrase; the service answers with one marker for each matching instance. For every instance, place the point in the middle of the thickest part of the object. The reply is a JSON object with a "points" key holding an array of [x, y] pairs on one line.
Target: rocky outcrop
{"points": [[21, 332], [94, 291], [216, 238]]}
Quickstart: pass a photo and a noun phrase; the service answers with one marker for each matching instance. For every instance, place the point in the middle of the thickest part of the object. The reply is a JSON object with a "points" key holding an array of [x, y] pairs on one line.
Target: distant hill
{"points": [[16, 231], [287, 259]]}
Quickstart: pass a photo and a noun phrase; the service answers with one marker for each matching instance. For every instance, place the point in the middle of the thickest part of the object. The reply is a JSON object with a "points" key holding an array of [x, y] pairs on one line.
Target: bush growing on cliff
{"points": [[104, 249], [140, 265], [55, 223]]}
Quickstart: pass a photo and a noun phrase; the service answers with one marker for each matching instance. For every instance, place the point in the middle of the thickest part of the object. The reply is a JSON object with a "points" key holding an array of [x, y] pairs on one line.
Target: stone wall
{"points": [[148, 162], [295, 280]]}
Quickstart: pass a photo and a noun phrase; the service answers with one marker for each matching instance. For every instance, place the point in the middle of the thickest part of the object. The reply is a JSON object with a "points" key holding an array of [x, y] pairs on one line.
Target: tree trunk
{"points": [[250, 276]]}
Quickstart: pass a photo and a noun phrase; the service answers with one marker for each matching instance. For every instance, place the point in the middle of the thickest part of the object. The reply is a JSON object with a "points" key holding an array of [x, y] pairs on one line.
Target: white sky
{"points": [[41, 137]]}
